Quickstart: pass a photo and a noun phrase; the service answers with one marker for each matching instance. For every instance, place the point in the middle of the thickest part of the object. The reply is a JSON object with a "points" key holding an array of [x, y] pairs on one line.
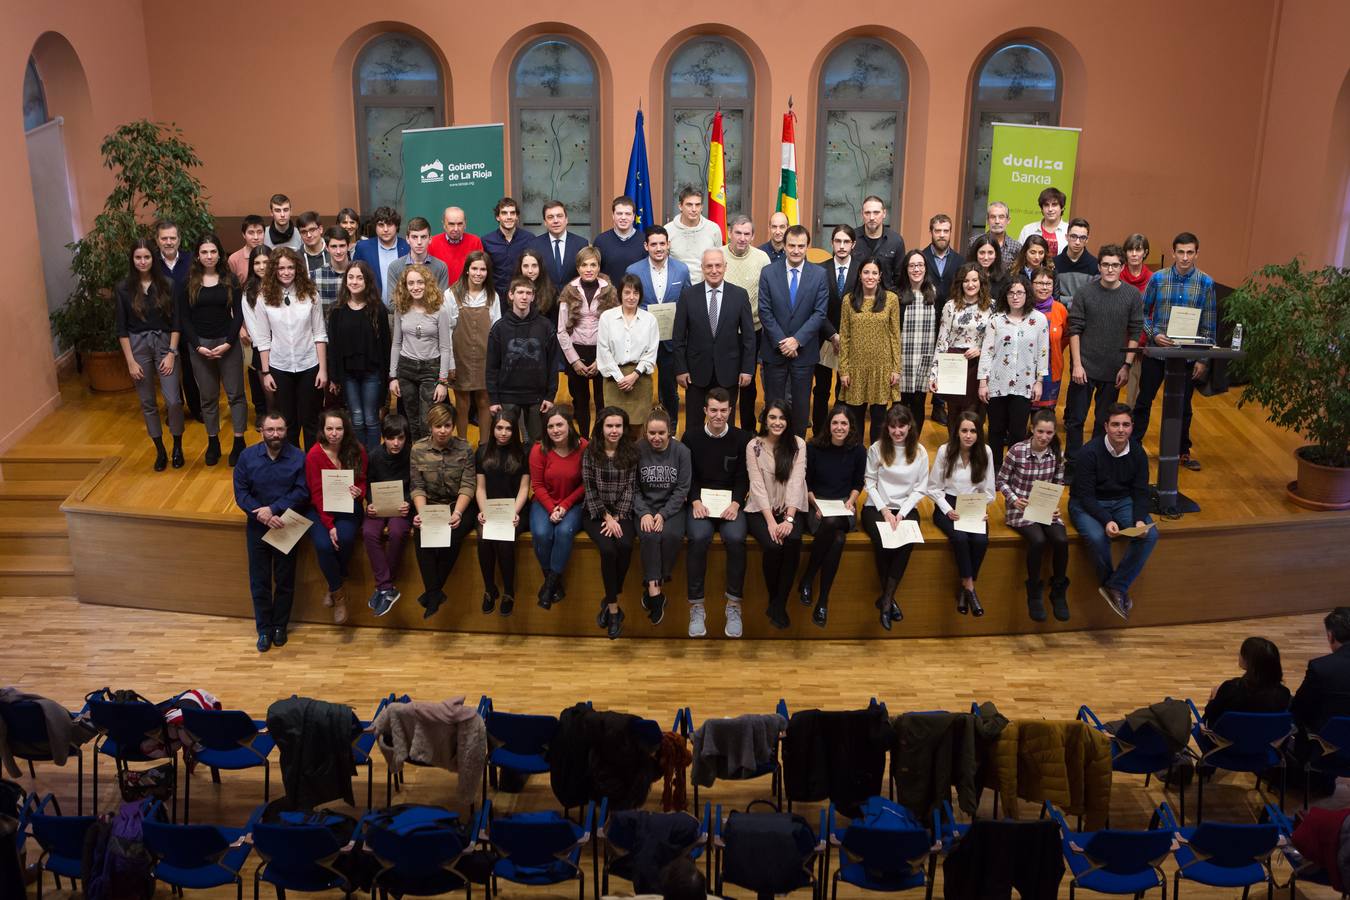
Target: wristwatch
{"points": [[789, 519]]}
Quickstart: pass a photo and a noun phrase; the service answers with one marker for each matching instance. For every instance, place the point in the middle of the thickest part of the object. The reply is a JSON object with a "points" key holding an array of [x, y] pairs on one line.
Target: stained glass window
{"points": [[34, 98], [398, 86], [705, 73]]}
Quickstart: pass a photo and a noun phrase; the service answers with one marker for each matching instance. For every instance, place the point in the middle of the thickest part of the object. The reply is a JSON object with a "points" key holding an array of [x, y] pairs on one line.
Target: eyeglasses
{"points": [[1107, 265], [1078, 237]]}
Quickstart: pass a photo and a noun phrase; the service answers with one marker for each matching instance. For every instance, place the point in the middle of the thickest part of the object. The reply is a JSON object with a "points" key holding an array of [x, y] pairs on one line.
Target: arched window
{"points": [[398, 86], [1018, 83], [555, 121], [705, 73], [34, 98], [860, 136]]}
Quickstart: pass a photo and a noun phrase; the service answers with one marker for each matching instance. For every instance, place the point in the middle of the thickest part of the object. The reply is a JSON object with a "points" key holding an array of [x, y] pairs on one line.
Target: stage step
{"points": [[34, 498], [26, 575], [37, 462], [41, 535]]}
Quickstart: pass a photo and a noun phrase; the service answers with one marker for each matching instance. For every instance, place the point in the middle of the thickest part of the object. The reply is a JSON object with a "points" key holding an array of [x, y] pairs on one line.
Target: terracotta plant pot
{"points": [[107, 371], [1319, 487]]}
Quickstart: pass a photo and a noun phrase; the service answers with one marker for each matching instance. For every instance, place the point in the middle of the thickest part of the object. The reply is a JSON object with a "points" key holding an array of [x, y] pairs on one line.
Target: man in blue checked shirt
{"points": [[1181, 285]]}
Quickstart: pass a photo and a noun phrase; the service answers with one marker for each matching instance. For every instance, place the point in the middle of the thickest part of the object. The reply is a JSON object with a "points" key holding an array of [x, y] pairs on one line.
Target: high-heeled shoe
{"points": [[962, 602], [895, 613], [884, 612], [973, 601]]}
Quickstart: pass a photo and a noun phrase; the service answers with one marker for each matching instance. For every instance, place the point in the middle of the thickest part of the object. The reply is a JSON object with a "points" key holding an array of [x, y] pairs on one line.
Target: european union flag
{"points": [[638, 186]]}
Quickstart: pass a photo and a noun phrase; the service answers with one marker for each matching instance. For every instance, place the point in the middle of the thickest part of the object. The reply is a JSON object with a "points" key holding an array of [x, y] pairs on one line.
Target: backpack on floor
{"points": [[768, 853], [117, 865]]}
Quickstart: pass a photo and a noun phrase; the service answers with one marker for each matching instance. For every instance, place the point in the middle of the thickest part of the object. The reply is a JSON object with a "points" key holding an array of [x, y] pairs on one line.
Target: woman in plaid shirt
{"points": [[609, 479], [1038, 458], [919, 312]]}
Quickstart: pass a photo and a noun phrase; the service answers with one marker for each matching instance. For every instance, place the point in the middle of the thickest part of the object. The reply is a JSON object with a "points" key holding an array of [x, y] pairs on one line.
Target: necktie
{"points": [[557, 255], [842, 272], [792, 288], [712, 310]]}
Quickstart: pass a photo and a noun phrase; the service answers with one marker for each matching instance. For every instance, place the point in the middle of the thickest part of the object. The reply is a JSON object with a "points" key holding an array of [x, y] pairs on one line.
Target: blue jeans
{"points": [[553, 540], [1136, 554], [333, 563], [667, 390], [362, 393]]}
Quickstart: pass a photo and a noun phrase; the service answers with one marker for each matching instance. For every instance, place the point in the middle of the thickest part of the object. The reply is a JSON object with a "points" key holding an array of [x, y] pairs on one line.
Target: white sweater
{"points": [[687, 244], [899, 486], [939, 486]]}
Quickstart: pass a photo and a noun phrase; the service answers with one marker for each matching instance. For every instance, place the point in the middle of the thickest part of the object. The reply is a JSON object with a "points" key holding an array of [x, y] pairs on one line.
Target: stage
{"points": [[173, 540]]}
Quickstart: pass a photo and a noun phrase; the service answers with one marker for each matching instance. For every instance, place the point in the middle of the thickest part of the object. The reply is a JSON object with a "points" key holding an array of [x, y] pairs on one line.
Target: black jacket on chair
{"points": [[1325, 691], [840, 756], [315, 740], [599, 754], [714, 360], [996, 856]]}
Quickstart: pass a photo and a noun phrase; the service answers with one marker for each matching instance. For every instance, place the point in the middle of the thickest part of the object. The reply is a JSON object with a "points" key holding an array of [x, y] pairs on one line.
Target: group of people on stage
{"points": [[409, 322]]}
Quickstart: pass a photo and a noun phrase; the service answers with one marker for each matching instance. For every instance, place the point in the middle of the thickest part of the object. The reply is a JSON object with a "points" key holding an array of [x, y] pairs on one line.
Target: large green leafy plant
{"points": [[1296, 331], [152, 179]]}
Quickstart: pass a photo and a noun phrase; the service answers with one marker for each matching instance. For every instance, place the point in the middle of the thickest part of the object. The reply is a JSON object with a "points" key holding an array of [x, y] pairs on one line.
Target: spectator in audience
{"points": [[555, 515], [1014, 360], [454, 244], [530, 265], [920, 315], [1074, 266], [1051, 226], [996, 221], [776, 246], [1057, 318], [609, 475], [503, 474], [714, 337], [149, 330], [1110, 493], [1034, 254], [965, 318], [842, 269], [312, 247], [663, 280], [422, 356], [1136, 274], [384, 248], [383, 531], [557, 246], [259, 264], [877, 240], [625, 350], [1038, 458], [419, 239], [350, 222], [963, 465], [984, 252], [895, 478], [211, 315], [621, 246], [793, 303], [1259, 689], [252, 229], [1325, 690], [479, 310], [268, 480], [836, 464], [504, 245], [522, 360], [292, 341], [869, 349], [943, 261], [579, 307], [658, 506], [281, 232], [328, 277], [745, 262], [717, 462], [682, 880], [335, 534], [690, 233], [776, 461], [442, 471], [359, 345]]}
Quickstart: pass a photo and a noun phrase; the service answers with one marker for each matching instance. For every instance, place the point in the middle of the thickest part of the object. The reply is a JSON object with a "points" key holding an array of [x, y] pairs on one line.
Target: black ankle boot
{"points": [[161, 457], [237, 449], [178, 451], [1059, 600], [1035, 606], [212, 450], [962, 602], [546, 590]]}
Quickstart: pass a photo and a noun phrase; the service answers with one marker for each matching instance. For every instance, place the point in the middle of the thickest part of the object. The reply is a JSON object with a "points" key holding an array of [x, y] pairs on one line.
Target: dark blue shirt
{"points": [[616, 254], [260, 480], [1098, 475], [832, 473], [504, 255], [774, 255]]}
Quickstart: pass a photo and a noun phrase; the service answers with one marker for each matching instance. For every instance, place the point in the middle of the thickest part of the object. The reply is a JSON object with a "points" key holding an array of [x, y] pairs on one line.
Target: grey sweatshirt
{"points": [[1104, 321], [663, 480]]}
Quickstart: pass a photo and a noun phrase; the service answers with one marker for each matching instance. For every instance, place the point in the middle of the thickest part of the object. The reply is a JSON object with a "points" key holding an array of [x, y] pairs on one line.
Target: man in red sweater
{"points": [[455, 243]]}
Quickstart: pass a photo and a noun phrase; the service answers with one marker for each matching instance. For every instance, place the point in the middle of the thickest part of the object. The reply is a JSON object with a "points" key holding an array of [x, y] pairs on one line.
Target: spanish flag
{"points": [[717, 182], [787, 183]]}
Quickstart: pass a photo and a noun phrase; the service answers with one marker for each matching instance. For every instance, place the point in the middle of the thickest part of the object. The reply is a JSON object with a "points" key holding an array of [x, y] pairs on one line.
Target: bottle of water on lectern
{"points": [[1236, 343]]}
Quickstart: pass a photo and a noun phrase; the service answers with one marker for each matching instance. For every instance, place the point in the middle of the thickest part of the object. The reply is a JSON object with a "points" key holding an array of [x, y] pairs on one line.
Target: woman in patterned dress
{"points": [[1013, 360], [869, 348], [964, 319], [920, 311]]}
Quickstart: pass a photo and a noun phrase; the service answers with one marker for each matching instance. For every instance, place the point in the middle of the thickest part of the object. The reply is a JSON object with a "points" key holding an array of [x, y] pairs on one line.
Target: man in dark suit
{"points": [[714, 337], [842, 270], [793, 304], [176, 265], [1325, 691], [942, 260], [557, 245]]}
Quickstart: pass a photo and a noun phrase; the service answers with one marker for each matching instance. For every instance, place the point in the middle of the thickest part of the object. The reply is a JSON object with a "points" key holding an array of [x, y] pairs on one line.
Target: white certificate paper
{"points": [[1135, 531], [664, 314], [1042, 502], [337, 490], [714, 501], [1184, 322], [436, 526], [385, 498], [499, 520], [830, 508], [971, 508], [829, 358], [286, 537], [906, 531], [951, 372]]}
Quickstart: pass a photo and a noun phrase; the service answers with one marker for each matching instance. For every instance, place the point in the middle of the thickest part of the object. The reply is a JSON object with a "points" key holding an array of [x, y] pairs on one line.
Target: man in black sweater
{"points": [[1110, 493], [522, 360]]}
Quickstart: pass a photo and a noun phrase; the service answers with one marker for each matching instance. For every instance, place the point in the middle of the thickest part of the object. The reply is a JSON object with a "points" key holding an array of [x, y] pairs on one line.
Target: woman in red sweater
{"points": [[336, 534], [555, 514]]}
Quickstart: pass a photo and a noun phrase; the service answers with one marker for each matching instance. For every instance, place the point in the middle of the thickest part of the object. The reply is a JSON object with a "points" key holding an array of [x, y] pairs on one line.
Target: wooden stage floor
{"points": [[173, 540]]}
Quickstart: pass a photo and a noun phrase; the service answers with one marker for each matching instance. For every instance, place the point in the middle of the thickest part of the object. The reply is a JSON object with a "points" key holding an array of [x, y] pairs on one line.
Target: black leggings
{"points": [[579, 385], [827, 547], [298, 400], [779, 560], [891, 564], [916, 402], [1037, 536], [435, 563], [968, 548], [1007, 423], [877, 415], [615, 553], [493, 555]]}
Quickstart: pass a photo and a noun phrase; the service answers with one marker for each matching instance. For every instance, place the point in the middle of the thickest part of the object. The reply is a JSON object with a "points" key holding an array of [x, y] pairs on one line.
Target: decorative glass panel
{"points": [[384, 149], [554, 69], [555, 157], [984, 147], [396, 65], [864, 70], [859, 160], [709, 68], [1018, 73], [34, 98], [692, 133]]}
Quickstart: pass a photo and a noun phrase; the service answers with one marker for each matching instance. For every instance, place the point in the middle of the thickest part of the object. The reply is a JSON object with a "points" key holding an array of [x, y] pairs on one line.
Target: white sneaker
{"points": [[697, 628], [733, 627]]}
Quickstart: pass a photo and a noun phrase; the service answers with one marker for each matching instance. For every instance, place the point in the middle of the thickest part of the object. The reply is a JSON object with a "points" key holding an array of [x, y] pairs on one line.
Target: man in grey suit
{"points": [[663, 279], [714, 337], [793, 302]]}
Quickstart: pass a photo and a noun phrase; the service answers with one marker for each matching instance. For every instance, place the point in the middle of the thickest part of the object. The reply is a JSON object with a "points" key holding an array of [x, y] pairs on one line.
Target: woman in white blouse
{"points": [[478, 310], [292, 343], [1014, 359], [776, 462], [897, 470], [625, 351], [421, 356], [963, 466], [964, 320]]}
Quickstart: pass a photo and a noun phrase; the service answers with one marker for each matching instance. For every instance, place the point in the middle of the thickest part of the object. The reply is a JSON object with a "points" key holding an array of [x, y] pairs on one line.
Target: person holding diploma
{"points": [[625, 350], [388, 462], [662, 489], [919, 315], [1013, 360], [268, 480], [442, 475], [335, 533], [836, 464], [964, 465], [776, 461], [964, 320], [579, 306], [894, 478], [609, 476], [1038, 458], [717, 458], [869, 348], [555, 515], [502, 475]]}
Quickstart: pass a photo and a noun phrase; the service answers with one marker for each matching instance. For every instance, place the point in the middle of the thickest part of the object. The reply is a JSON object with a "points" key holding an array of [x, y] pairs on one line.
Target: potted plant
{"points": [[152, 179], [1296, 331]]}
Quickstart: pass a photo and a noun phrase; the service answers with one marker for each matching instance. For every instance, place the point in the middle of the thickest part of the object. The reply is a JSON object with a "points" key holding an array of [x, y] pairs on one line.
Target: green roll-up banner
{"points": [[457, 166], [1026, 160]]}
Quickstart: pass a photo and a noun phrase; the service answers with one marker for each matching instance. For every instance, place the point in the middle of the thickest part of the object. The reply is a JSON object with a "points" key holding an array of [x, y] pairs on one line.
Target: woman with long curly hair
{"points": [[291, 338], [422, 355]]}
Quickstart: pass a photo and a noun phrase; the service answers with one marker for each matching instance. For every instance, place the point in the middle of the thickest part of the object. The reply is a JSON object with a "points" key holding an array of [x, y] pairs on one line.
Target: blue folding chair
{"points": [[61, 839], [519, 743], [363, 751], [1112, 861], [198, 857], [1331, 745], [620, 843], [537, 848], [946, 830], [419, 857], [27, 730], [684, 725], [1240, 742], [1222, 855], [811, 872], [122, 728], [231, 740], [1300, 869], [1142, 752], [298, 856], [883, 850]]}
